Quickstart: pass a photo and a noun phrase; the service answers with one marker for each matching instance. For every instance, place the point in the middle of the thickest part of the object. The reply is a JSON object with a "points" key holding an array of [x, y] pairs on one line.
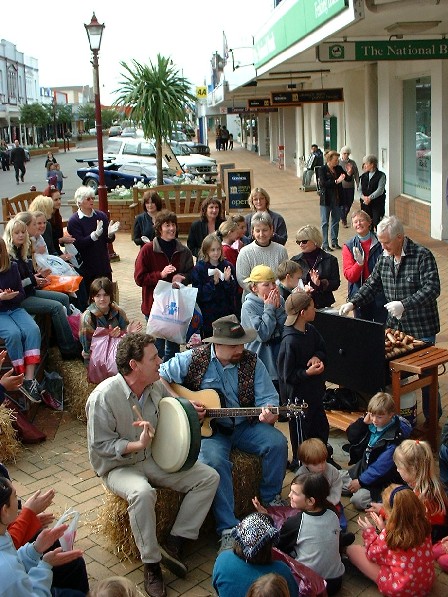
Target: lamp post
{"points": [[94, 33]]}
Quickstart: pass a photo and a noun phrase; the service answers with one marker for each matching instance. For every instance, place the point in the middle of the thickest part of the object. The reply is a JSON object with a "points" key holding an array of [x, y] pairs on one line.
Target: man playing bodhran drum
{"points": [[122, 417], [242, 380]]}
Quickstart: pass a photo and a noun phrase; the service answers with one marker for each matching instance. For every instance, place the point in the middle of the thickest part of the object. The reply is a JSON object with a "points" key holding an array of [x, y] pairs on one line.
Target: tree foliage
{"points": [[33, 115], [157, 96], [86, 112], [109, 116]]}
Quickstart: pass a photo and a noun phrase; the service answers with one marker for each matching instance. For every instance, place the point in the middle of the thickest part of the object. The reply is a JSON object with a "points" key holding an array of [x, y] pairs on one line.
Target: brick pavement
{"points": [[62, 462]]}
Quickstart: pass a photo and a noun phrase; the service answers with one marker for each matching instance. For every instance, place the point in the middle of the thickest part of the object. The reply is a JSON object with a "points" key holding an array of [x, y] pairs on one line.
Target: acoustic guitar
{"points": [[212, 403]]}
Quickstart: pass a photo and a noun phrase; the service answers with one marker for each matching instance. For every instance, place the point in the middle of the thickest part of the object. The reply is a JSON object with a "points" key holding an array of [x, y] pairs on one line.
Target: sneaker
{"points": [[336, 246], [226, 541], [30, 388], [50, 401], [326, 248], [171, 551], [278, 501]]}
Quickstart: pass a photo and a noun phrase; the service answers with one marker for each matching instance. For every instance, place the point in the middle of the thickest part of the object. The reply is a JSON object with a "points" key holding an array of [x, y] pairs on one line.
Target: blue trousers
{"points": [[48, 302], [254, 438], [22, 337], [325, 212]]}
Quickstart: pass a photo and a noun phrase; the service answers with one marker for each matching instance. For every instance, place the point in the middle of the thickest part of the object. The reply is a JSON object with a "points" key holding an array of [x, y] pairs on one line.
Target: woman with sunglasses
{"points": [[320, 269]]}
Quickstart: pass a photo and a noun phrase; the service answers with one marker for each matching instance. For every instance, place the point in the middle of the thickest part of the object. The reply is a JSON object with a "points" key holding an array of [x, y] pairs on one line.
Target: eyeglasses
{"points": [[302, 242]]}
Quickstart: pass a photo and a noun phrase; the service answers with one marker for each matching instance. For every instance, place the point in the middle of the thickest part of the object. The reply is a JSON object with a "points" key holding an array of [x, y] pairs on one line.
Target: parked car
{"points": [[92, 131], [126, 175], [11, 147], [180, 137], [129, 131], [115, 131], [142, 151]]}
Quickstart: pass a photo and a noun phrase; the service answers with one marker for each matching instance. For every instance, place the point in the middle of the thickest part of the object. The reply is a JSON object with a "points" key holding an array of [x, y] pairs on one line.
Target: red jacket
{"points": [[149, 264]]}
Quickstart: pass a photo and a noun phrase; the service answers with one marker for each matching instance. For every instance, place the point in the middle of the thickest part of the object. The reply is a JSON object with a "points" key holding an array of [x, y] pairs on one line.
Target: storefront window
{"points": [[417, 138]]}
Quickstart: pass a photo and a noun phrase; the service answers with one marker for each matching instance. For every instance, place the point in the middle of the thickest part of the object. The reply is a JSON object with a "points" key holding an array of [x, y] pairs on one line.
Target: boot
{"points": [[154, 585], [171, 551]]}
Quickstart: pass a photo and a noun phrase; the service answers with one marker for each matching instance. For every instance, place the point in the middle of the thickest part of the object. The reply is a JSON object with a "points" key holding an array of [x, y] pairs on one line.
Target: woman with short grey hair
{"points": [[373, 190]]}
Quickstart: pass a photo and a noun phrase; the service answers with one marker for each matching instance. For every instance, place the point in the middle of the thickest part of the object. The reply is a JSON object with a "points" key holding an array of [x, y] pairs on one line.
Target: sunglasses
{"points": [[302, 242]]}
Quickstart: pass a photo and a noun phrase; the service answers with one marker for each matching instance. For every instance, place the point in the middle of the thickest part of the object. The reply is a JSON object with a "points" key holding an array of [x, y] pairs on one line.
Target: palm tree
{"points": [[156, 95]]}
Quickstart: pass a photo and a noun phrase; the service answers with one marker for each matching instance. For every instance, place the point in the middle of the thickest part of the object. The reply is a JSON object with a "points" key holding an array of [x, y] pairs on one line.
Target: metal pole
{"points": [[102, 189]]}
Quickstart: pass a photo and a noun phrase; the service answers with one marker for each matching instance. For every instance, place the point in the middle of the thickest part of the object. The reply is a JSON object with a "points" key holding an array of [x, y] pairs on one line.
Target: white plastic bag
{"points": [[58, 266], [171, 311], [71, 518]]}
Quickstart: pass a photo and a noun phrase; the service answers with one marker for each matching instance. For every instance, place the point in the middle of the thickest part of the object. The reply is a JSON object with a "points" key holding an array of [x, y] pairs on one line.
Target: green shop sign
{"points": [[416, 49], [292, 25]]}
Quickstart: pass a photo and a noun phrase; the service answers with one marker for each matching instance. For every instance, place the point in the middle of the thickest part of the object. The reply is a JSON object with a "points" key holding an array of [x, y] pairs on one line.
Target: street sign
{"points": [[201, 92], [306, 96], [259, 102], [239, 185], [397, 49]]}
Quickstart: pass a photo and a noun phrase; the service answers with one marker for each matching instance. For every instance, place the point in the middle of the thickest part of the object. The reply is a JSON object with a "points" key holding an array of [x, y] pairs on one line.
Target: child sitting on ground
{"points": [[313, 455], [289, 278], [373, 440], [301, 371], [235, 570], [399, 559], [312, 536], [263, 310]]}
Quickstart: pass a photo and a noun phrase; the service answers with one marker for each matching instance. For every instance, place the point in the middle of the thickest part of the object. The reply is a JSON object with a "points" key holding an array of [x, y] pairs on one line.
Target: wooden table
{"points": [[425, 364]]}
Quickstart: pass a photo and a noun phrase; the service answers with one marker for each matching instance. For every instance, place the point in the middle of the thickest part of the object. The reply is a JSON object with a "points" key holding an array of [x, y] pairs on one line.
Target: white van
{"points": [[142, 151]]}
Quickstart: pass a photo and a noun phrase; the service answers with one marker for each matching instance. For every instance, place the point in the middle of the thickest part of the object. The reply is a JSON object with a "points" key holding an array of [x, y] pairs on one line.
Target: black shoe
{"points": [[171, 552], [336, 246], [154, 585], [30, 388], [293, 465], [72, 355], [22, 179], [346, 539], [325, 248]]}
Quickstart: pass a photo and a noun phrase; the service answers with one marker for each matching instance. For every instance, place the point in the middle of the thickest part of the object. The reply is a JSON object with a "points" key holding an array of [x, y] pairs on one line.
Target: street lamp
{"points": [[95, 33]]}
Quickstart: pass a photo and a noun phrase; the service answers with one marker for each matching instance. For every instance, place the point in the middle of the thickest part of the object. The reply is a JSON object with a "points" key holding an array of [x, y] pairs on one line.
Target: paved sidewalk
{"points": [[63, 463]]}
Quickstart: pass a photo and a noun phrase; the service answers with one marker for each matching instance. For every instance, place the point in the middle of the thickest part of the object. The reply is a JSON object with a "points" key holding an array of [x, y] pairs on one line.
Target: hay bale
{"points": [[76, 387], [246, 475], [113, 521], [9, 444]]}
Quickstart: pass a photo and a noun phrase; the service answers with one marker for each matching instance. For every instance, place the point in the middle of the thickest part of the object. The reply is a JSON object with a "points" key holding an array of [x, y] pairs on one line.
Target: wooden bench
{"points": [[341, 419], [14, 205], [184, 200]]}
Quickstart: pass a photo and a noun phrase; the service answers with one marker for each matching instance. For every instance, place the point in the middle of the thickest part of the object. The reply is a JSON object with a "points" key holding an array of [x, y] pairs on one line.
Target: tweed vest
{"points": [[201, 357]]}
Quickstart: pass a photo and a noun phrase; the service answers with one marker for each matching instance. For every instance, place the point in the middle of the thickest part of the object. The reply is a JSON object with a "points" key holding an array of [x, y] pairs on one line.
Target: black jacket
{"points": [[328, 268], [198, 231], [329, 191]]}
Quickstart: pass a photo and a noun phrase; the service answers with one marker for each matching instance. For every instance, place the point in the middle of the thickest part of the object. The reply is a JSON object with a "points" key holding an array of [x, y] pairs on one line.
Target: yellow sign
{"points": [[201, 92]]}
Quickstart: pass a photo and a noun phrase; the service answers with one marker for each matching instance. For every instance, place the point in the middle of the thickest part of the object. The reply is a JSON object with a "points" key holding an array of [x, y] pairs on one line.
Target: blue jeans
{"points": [[48, 302], [325, 212], [22, 337], [443, 465], [166, 348], [256, 438], [425, 390]]}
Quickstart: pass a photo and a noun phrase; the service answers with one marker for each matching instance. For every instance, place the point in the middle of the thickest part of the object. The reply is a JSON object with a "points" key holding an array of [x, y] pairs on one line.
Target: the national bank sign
{"points": [[293, 24], [397, 49]]}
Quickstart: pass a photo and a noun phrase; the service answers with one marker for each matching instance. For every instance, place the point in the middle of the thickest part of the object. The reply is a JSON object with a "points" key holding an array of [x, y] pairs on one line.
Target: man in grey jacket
{"points": [[122, 416]]}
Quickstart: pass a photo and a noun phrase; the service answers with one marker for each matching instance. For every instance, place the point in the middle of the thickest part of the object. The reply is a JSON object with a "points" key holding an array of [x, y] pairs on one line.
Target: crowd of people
{"points": [[258, 350]]}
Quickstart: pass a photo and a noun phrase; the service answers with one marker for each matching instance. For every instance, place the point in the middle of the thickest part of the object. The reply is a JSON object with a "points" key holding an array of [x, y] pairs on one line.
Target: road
{"points": [[36, 174]]}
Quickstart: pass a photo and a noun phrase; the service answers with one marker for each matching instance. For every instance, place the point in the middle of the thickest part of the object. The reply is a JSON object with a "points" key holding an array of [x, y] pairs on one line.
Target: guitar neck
{"points": [[214, 413]]}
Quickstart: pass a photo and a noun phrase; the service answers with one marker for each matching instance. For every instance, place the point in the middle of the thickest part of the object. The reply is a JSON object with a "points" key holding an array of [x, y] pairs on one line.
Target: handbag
{"points": [[103, 350], [171, 311]]}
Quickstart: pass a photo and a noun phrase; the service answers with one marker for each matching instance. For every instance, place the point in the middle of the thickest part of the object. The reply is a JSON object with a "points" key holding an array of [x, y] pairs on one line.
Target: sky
{"points": [[189, 31]]}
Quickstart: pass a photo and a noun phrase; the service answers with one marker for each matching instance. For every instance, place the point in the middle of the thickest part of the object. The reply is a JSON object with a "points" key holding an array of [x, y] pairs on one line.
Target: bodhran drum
{"points": [[177, 441]]}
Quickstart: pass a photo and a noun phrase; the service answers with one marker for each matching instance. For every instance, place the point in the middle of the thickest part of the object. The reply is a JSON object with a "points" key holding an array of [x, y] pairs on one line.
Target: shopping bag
{"points": [[63, 283], [71, 518], [103, 350], [171, 311], [58, 266]]}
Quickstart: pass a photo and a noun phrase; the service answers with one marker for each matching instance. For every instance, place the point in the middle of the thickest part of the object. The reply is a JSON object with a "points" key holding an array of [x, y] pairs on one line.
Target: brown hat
{"points": [[228, 330], [296, 302], [260, 273]]}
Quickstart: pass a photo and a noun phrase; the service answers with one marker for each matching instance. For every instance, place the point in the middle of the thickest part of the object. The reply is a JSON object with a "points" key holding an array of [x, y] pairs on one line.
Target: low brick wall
{"points": [[119, 210], [413, 213]]}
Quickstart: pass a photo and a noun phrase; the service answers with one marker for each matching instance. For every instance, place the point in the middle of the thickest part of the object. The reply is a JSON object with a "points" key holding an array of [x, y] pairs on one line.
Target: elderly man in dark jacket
{"points": [[407, 274]]}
